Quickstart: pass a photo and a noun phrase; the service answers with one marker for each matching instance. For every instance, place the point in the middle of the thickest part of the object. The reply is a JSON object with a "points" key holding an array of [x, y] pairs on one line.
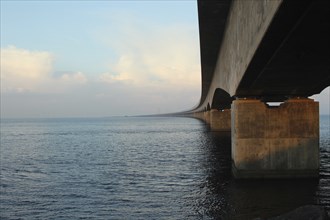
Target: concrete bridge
{"points": [[254, 52]]}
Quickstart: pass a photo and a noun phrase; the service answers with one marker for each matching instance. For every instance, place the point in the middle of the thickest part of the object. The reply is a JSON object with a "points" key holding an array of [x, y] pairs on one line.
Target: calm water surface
{"points": [[138, 168]]}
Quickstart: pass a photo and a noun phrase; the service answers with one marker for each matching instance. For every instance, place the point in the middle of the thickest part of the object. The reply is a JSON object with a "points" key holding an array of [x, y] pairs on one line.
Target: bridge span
{"points": [[258, 51]]}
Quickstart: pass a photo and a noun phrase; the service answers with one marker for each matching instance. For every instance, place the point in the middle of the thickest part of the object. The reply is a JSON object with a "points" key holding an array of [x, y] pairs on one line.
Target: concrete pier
{"points": [[272, 50], [199, 115], [207, 117], [275, 142], [220, 120]]}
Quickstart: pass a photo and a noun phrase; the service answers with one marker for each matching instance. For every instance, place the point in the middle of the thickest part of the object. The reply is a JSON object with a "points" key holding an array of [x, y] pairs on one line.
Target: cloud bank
{"points": [[23, 70], [139, 67], [140, 81]]}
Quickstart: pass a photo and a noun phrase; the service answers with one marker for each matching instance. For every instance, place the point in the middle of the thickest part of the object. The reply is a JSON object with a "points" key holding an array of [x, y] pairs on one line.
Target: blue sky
{"points": [[80, 30], [100, 58]]}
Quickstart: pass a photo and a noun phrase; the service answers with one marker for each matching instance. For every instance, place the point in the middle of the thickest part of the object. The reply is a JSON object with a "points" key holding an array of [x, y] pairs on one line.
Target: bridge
{"points": [[253, 53]]}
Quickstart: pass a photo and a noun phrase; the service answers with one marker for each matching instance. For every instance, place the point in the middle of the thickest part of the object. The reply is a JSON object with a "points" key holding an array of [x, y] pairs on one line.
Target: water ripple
{"points": [[137, 168]]}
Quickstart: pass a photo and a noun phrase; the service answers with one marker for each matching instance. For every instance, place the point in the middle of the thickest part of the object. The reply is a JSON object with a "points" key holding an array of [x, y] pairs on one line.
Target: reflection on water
{"points": [[229, 198], [138, 168]]}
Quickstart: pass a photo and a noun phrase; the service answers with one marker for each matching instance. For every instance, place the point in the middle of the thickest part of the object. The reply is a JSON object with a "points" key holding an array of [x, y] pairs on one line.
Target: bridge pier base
{"points": [[220, 120], [275, 142], [207, 117], [199, 115]]}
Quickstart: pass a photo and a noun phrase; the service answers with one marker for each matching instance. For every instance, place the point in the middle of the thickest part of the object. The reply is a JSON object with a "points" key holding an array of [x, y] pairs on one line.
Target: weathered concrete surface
{"points": [[293, 57], [212, 22], [246, 25], [199, 115], [275, 142], [220, 120], [270, 49], [207, 117]]}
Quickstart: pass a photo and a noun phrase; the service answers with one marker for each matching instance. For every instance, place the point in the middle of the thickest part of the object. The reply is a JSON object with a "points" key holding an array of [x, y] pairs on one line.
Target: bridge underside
{"points": [[293, 58], [212, 22], [283, 58]]}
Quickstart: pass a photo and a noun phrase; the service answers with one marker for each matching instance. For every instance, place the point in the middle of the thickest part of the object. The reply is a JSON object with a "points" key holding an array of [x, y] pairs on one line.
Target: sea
{"points": [[139, 168]]}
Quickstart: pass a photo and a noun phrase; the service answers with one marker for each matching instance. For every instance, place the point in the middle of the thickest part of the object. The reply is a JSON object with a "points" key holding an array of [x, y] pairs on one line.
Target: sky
{"points": [[101, 58]]}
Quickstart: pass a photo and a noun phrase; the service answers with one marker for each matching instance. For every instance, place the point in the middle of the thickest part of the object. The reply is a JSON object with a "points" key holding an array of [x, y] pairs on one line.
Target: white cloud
{"points": [[30, 71], [157, 70], [22, 70], [154, 55], [77, 77], [109, 78]]}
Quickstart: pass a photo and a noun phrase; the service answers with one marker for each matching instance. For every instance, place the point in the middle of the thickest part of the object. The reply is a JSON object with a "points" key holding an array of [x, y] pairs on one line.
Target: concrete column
{"points": [[207, 117], [275, 142], [220, 120], [199, 115]]}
